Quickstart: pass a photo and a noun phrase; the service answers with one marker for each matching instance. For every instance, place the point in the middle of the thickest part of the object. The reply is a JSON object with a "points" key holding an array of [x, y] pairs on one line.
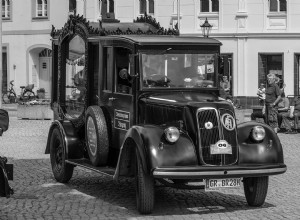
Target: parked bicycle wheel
{"points": [[28, 96], [9, 97]]}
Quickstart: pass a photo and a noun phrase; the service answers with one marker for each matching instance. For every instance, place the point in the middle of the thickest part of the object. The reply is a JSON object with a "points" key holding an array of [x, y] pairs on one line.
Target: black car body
{"points": [[137, 100]]}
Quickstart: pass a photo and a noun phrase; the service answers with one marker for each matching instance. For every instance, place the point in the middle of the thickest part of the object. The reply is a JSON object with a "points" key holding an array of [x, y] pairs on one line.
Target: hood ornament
{"points": [[208, 125], [228, 122]]}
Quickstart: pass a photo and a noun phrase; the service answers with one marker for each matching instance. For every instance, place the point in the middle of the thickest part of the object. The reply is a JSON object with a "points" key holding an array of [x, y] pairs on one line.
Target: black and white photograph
{"points": [[149, 109]]}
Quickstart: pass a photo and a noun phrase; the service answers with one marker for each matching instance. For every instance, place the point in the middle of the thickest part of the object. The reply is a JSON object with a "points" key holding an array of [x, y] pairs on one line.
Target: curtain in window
{"points": [[5, 8], [273, 5], [204, 5], [151, 6], [41, 8], [215, 5], [45, 8], [111, 6], [4, 70], [282, 5], [142, 6], [72, 5]]}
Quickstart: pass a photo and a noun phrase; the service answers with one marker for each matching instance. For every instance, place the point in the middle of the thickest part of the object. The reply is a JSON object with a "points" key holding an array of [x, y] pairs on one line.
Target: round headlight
{"points": [[172, 134], [258, 133]]}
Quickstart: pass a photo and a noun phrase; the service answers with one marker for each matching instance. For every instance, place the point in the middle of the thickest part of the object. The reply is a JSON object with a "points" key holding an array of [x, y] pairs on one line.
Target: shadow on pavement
{"points": [[34, 184], [168, 201]]}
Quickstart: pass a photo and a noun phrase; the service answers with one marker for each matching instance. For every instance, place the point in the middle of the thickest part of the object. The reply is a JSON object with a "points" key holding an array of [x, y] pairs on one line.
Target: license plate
{"points": [[221, 147], [216, 184]]}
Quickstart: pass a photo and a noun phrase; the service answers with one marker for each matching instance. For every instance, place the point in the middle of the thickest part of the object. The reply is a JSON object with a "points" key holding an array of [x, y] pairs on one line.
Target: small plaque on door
{"points": [[122, 120]]}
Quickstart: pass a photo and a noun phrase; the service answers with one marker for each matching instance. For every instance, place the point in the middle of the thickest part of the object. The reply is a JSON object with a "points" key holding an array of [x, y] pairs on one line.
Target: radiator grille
{"points": [[211, 136]]}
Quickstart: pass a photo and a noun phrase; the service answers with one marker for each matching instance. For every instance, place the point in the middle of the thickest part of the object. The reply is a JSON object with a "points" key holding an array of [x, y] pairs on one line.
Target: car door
{"points": [[118, 93]]}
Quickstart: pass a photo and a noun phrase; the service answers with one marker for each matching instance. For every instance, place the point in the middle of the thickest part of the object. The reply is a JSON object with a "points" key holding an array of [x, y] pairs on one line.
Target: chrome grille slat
{"points": [[211, 136]]}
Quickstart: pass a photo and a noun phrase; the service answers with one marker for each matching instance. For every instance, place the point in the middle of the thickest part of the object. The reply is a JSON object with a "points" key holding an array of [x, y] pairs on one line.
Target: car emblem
{"points": [[228, 122], [208, 125]]}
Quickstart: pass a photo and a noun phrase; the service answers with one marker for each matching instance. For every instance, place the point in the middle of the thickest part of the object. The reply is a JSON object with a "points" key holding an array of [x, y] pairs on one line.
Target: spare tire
{"points": [[96, 136]]}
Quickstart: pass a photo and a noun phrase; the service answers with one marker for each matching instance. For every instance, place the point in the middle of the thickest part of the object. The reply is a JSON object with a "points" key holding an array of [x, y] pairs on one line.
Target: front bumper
{"points": [[202, 172]]}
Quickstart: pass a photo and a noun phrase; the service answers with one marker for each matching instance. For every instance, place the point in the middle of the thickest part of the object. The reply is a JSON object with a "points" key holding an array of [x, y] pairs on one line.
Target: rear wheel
{"points": [[28, 96], [144, 185], [62, 171], [96, 136], [256, 189]]}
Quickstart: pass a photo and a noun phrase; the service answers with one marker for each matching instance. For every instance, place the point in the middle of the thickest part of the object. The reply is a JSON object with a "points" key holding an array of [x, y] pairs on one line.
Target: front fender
{"points": [[267, 151], [71, 139], [154, 151]]}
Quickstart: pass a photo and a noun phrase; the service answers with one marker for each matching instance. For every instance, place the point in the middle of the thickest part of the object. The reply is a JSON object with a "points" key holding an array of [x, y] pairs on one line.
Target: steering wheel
{"points": [[157, 80]]}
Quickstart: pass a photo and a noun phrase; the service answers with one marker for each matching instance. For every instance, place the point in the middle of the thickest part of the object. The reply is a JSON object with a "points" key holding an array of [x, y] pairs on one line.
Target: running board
{"points": [[85, 163]]}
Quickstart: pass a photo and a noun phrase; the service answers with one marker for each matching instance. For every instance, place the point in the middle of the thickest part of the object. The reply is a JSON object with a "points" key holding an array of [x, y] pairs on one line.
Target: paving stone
{"points": [[92, 196]]}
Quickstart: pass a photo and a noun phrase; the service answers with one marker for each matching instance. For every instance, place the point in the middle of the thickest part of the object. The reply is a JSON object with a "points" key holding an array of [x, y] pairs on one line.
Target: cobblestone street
{"points": [[89, 195]]}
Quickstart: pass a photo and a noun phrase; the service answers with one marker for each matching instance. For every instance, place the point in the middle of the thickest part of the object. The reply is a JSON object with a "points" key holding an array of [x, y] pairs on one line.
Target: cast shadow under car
{"points": [[168, 201]]}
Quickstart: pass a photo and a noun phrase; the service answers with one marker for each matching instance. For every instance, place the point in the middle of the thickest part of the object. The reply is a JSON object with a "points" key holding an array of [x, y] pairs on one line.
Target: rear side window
{"points": [[107, 68]]}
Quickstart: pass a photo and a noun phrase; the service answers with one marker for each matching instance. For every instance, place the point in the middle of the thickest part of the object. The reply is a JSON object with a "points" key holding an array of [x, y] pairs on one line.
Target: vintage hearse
{"points": [[137, 100]]}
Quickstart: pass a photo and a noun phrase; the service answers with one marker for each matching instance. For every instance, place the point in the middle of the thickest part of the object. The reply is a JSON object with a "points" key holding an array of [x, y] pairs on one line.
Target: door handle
{"points": [[111, 99]]}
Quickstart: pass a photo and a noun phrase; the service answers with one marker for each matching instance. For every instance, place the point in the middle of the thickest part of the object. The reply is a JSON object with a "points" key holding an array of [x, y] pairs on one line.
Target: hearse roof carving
{"points": [[145, 25]]}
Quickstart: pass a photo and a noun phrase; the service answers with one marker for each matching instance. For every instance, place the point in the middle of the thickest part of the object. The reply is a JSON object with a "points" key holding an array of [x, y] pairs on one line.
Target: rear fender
{"points": [[153, 150], [267, 151], [72, 142]]}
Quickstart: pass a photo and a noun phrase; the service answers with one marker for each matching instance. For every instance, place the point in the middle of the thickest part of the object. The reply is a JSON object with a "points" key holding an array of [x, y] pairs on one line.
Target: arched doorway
{"points": [[39, 64], [44, 71]]}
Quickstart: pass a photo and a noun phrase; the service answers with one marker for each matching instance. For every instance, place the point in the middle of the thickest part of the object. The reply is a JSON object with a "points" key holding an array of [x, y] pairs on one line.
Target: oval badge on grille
{"points": [[208, 125], [228, 122]]}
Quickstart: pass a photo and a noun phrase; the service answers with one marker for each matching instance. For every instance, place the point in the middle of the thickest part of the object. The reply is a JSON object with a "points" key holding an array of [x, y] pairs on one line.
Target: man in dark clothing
{"points": [[272, 99], [259, 114], [293, 112], [283, 108]]}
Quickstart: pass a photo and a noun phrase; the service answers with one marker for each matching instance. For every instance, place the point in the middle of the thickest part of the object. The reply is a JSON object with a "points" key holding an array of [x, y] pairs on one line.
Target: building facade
{"points": [[26, 41], [258, 36]]}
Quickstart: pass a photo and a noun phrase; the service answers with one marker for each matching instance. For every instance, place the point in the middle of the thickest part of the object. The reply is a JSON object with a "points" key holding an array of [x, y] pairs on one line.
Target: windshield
{"points": [[178, 70]]}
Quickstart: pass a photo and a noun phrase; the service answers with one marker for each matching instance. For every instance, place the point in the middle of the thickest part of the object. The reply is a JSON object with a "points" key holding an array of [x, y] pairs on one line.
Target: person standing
{"points": [[272, 99], [261, 93], [283, 108], [293, 112], [225, 84]]}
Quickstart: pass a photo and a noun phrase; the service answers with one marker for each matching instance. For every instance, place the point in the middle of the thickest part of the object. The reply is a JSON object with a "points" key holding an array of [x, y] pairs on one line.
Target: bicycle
{"points": [[10, 96], [26, 93]]}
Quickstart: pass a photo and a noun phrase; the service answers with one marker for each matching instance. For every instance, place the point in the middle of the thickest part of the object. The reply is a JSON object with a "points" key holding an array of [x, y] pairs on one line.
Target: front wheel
{"points": [[144, 185], [8, 98], [62, 171], [256, 189]]}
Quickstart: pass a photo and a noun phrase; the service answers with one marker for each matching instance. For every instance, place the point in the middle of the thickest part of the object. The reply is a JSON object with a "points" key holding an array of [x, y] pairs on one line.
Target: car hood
{"points": [[186, 99]]}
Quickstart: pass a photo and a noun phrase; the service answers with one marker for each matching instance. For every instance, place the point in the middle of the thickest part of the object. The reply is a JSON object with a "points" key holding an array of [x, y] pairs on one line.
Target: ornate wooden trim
{"points": [[79, 21]]}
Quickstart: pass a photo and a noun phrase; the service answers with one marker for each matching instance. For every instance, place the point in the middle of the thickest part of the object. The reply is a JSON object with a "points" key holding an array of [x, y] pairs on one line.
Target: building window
{"points": [[72, 6], [4, 69], [41, 8], [277, 5], [6, 8], [111, 6], [147, 6], [209, 5], [272, 63]]}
